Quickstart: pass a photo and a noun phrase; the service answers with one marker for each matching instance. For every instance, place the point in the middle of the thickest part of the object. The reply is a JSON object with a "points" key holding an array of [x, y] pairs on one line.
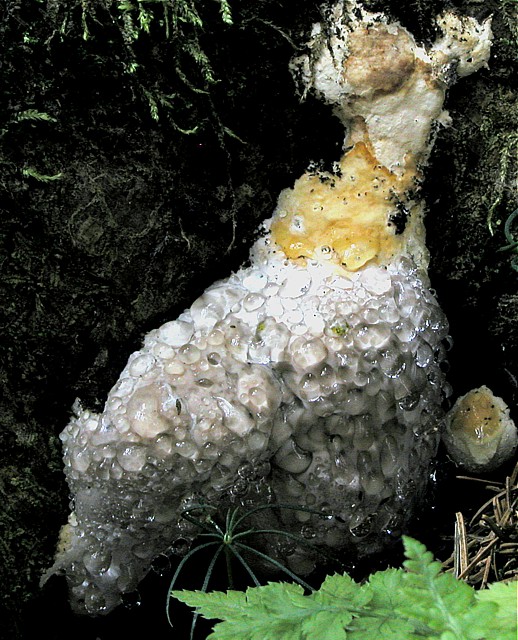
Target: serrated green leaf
{"points": [[505, 596], [385, 587], [276, 597], [280, 611], [379, 619], [326, 625], [342, 586], [215, 604], [436, 600], [421, 602], [419, 560], [386, 627], [242, 629], [478, 619]]}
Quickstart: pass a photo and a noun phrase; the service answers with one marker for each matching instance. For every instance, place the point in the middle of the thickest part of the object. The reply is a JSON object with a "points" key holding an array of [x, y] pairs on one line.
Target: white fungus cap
{"points": [[480, 434]]}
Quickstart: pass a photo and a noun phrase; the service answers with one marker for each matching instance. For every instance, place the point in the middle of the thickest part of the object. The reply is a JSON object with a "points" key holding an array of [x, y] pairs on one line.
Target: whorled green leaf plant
{"points": [[232, 541]]}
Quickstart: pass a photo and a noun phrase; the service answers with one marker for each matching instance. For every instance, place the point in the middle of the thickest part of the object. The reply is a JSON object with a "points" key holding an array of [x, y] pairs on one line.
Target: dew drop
{"points": [[214, 358], [161, 564], [292, 458], [175, 333], [189, 354], [410, 402], [253, 301], [132, 458], [180, 547], [424, 355], [131, 600]]}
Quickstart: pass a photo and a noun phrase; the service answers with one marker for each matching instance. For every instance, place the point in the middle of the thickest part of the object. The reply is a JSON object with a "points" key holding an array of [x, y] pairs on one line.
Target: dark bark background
{"points": [[114, 219]]}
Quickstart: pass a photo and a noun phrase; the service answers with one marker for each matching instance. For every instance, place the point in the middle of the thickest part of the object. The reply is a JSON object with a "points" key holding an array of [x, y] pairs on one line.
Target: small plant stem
{"points": [[246, 566], [276, 564], [228, 561], [177, 573], [204, 587]]}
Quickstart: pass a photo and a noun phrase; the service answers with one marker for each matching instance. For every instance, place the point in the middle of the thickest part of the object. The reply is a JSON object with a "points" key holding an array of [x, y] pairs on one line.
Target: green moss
{"points": [[471, 193], [141, 220]]}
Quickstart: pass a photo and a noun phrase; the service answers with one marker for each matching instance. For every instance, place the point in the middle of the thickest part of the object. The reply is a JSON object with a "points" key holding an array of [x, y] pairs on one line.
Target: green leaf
{"points": [[436, 602], [379, 619], [478, 620], [386, 627], [505, 596], [420, 602], [326, 625], [215, 604], [226, 12], [342, 586], [280, 611], [385, 589]]}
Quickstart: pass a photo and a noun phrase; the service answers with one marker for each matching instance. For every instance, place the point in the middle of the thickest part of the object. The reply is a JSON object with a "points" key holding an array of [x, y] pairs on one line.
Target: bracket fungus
{"points": [[311, 377]]}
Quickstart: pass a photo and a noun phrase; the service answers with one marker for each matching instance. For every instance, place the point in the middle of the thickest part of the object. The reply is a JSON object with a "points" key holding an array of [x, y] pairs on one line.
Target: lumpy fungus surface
{"points": [[312, 376], [343, 217]]}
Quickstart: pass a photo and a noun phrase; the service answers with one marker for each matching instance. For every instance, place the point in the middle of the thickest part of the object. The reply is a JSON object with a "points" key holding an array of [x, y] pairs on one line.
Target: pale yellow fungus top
{"points": [[348, 218], [389, 92], [480, 434]]}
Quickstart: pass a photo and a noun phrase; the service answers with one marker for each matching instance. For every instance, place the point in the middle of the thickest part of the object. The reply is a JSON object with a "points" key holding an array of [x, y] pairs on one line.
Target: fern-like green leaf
{"points": [[379, 620], [385, 587], [384, 627], [505, 596], [337, 587], [215, 604], [280, 611], [444, 606], [419, 602]]}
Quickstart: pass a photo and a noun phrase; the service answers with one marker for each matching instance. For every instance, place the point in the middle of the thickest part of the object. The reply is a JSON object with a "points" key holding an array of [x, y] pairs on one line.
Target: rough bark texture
{"points": [[143, 217]]}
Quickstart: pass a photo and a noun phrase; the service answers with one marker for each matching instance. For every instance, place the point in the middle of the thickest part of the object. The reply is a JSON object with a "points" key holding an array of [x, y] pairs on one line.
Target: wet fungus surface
{"points": [[312, 376]]}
